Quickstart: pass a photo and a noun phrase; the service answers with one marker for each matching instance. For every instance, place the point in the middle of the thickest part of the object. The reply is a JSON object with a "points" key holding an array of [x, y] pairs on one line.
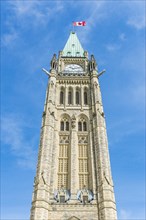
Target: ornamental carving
{"points": [[62, 195], [85, 195], [82, 139], [73, 121], [64, 139]]}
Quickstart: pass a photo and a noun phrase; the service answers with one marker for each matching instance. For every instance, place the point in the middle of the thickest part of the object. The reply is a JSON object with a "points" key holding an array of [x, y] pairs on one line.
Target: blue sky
{"points": [[31, 32]]}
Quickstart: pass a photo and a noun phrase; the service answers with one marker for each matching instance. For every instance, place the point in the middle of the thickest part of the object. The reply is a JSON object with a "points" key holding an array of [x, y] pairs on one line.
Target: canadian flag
{"points": [[79, 23]]}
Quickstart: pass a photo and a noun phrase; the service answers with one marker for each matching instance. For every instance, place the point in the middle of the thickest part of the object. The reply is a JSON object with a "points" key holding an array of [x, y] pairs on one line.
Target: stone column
{"points": [[82, 98], [65, 97], [74, 163], [74, 95]]}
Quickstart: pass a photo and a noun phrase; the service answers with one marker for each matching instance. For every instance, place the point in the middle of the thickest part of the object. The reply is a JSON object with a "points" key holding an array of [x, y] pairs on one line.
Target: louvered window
{"points": [[83, 166], [63, 166]]}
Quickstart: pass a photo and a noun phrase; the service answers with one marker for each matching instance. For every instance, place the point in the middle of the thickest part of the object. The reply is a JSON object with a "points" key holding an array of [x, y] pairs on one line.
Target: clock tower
{"points": [[73, 179]]}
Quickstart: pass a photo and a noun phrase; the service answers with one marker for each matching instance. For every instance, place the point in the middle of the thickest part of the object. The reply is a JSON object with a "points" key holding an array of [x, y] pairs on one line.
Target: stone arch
{"points": [[65, 115], [65, 122], [84, 120], [73, 218]]}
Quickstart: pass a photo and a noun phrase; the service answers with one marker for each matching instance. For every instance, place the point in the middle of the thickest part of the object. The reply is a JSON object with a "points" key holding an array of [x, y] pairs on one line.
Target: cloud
{"points": [[23, 15], [125, 214], [122, 37], [39, 10], [137, 22], [92, 13], [13, 135], [8, 38], [112, 47], [136, 16]]}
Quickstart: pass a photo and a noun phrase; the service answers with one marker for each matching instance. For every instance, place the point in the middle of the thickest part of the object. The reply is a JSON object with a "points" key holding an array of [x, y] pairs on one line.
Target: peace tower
{"points": [[73, 179]]}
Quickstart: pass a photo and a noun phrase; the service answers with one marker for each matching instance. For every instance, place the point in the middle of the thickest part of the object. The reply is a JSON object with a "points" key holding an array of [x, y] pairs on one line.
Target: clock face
{"points": [[73, 68]]}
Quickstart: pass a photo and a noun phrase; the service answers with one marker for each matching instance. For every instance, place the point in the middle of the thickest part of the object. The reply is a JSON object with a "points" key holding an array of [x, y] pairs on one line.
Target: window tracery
{"points": [[83, 161], [82, 125], [63, 162], [63, 159], [64, 125], [83, 153]]}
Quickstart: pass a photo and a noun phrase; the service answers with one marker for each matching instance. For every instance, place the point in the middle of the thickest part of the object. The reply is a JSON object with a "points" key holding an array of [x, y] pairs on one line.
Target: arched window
{"points": [[84, 126], [69, 97], [79, 126], [85, 98], [77, 98], [67, 126], [62, 126], [61, 97]]}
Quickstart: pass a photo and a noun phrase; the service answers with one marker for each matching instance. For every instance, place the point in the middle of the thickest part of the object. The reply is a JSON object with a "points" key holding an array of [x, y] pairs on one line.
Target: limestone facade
{"points": [[73, 179]]}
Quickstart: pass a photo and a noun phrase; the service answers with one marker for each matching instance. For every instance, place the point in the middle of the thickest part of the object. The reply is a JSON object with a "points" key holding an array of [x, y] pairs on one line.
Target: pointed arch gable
{"points": [[83, 116], [73, 218], [65, 115]]}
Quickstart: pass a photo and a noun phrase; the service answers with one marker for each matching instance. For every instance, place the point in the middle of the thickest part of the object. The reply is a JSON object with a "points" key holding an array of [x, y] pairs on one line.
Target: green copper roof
{"points": [[73, 47]]}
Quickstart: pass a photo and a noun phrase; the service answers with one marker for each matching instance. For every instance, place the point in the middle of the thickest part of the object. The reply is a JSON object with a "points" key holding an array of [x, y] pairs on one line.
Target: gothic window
{"points": [[84, 126], [62, 125], [77, 98], [83, 153], [63, 159], [70, 101], [85, 98], [67, 126], [61, 97], [83, 165], [63, 165], [79, 126]]}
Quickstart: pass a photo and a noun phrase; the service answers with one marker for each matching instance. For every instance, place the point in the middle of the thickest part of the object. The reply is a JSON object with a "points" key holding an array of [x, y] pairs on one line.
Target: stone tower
{"points": [[73, 179]]}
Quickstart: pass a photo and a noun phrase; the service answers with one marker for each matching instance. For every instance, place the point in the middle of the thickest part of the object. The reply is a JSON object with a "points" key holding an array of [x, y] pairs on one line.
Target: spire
{"points": [[73, 48]]}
